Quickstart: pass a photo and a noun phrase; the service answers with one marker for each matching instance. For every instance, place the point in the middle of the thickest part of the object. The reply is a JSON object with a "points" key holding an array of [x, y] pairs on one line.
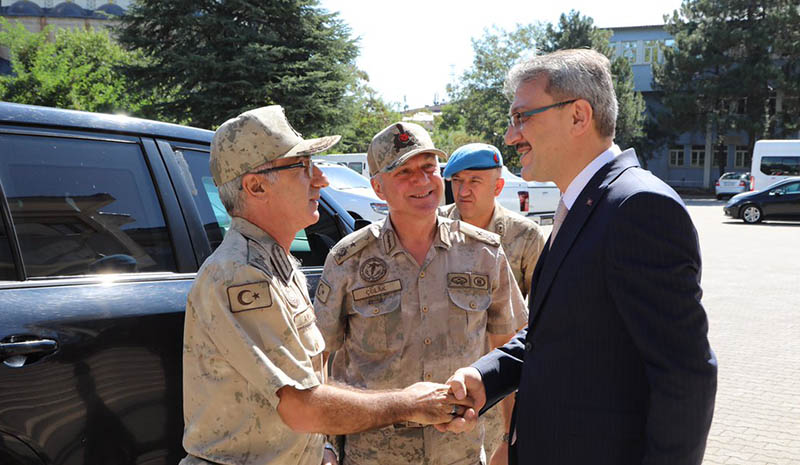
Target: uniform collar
{"points": [[497, 223], [391, 245], [281, 261]]}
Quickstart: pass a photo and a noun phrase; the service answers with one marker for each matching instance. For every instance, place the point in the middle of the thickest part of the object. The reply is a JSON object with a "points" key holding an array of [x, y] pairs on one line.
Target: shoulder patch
{"points": [[323, 291], [252, 296], [353, 243], [479, 234]]}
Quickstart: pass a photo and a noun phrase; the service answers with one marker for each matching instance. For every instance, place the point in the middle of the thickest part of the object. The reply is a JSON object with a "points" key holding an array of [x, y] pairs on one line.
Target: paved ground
{"points": [[751, 285]]}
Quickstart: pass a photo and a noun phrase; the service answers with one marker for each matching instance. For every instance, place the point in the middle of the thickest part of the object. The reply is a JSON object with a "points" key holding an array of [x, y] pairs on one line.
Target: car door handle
{"points": [[41, 346]]}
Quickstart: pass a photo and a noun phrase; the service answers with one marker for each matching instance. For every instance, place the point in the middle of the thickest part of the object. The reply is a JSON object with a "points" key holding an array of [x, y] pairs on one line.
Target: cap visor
{"points": [[312, 146]]}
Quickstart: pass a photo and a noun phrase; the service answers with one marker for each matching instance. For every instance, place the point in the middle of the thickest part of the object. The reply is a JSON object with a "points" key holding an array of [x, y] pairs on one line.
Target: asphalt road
{"points": [[751, 292]]}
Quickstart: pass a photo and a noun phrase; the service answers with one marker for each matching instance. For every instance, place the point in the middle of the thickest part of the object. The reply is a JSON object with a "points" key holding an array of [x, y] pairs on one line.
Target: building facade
{"points": [[684, 162], [36, 15]]}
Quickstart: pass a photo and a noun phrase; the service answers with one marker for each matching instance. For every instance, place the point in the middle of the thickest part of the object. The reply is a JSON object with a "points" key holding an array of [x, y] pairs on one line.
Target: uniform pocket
{"points": [[468, 316], [375, 324], [310, 335]]}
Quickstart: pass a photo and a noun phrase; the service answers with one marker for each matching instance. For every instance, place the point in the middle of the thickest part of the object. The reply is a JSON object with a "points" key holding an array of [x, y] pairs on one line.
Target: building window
{"points": [[629, 49], [652, 51], [698, 156], [676, 156], [742, 157], [615, 47]]}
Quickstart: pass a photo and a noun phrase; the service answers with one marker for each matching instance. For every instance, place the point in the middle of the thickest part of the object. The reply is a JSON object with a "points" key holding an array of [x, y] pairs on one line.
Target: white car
{"points": [[536, 199], [730, 184], [353, 192]]}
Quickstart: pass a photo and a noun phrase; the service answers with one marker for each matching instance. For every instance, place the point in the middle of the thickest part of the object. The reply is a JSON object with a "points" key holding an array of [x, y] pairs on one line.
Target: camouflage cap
{"points": [[256, 137], [396, 144]]}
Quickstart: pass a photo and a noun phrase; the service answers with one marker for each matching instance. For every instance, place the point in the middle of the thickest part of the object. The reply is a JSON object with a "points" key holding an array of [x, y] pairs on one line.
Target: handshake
{"points": [[450, 407]]}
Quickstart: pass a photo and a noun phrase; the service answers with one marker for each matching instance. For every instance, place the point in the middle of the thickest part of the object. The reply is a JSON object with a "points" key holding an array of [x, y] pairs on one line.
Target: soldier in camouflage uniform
{"points": [[411, 298], [474, 172], [253, 356]]}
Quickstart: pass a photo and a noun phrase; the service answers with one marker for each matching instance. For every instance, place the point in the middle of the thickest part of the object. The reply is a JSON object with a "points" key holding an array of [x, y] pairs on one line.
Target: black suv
{"points": [[105, 220]]}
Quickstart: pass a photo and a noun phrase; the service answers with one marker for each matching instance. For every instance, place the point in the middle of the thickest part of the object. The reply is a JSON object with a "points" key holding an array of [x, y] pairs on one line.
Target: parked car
{"points": [[730, 184], [355, 161], [105, 221], [780, 201], [353, 192]]}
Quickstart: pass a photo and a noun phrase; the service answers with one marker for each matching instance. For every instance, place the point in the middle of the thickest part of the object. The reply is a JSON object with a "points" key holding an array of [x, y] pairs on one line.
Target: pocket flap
{"points": [[470, 300]]}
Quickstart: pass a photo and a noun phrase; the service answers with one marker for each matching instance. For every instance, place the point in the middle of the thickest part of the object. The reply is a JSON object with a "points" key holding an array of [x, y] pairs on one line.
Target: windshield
{"points": [[342, 177]]}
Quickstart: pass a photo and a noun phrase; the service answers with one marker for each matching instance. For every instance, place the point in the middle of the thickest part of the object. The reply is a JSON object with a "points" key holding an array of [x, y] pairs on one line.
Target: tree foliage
{"points": [[480, 106], [576, 31], [213, 59], [730, 61], [75, 70], [478, 97], [367, 114]]}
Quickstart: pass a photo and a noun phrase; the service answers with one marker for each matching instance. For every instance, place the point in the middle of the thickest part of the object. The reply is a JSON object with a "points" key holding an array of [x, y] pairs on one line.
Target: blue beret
{"points": [[473, 157]]}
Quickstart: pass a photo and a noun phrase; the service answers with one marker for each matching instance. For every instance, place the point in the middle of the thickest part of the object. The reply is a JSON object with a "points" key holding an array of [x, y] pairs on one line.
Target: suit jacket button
{"points": [[528, 346]]}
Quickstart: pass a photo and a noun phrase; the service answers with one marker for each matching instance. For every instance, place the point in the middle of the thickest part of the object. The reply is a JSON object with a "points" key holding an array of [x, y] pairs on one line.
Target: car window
{"points": [[356, 166], [730, 176], [793, 188], [310, 245], [6, 259], [83, 206], [781, 166], [341, 177]]}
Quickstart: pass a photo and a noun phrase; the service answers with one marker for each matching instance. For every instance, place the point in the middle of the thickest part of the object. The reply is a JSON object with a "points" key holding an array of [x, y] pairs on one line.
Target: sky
{"points": [[411, 49]]}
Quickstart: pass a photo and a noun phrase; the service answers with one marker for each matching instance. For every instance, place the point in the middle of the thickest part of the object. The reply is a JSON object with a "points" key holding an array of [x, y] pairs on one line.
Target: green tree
{"points": [[76, 70], [576, 31], [480, 106], [730, 63], [223, 57], [367, 114], [478, 97]]}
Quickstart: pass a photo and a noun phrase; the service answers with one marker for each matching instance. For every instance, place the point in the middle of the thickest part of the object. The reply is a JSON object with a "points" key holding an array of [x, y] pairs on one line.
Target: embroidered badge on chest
{"points": [[457, 279], [373, 270]]}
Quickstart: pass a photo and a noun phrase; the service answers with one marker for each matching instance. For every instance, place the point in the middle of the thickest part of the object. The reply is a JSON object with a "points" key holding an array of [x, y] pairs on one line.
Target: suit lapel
{"points": [[573, 224]]}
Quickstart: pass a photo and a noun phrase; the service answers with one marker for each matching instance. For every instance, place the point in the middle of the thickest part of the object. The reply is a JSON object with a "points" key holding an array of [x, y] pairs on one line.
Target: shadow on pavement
{"points": [[763, 223]]}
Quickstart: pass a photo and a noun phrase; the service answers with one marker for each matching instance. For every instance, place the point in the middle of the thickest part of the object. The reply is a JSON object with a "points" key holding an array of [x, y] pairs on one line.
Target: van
{"points": [[355, 161], [774, 160]]}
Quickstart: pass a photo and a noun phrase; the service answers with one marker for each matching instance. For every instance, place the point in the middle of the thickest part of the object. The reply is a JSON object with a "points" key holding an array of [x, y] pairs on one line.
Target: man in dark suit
{"points": [[615, 365]]}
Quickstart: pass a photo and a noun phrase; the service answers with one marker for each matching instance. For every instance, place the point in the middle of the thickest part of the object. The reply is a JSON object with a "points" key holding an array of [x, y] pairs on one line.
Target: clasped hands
{"points": [[450, 407]]}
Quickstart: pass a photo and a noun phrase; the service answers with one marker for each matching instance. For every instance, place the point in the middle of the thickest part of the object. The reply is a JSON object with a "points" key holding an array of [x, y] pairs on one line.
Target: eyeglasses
{"points": [[515, 119], [306, 163]]}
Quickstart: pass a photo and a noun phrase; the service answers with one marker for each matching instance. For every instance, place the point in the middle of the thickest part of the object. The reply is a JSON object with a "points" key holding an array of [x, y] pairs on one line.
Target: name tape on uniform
{"points": [[377, 289]]}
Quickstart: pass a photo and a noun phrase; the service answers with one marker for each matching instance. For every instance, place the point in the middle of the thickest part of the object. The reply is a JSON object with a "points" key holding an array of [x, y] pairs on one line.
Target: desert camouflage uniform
{"points": [[522, 242], [395, 323], [249, 331]]}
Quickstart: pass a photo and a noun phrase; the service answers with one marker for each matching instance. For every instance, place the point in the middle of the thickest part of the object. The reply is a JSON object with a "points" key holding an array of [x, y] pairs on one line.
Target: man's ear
{"points": [[377, 186], [498, 185], [253, 185], [582, 114]]}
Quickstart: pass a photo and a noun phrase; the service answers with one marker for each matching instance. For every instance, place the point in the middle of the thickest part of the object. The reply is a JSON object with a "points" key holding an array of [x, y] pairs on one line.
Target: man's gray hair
{"points": [[577, 73], [232, 195]]}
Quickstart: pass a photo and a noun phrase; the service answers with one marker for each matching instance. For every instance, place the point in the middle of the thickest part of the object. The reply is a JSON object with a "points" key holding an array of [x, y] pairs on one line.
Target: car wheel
{"points": [[719, 197], [751, 214]]}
